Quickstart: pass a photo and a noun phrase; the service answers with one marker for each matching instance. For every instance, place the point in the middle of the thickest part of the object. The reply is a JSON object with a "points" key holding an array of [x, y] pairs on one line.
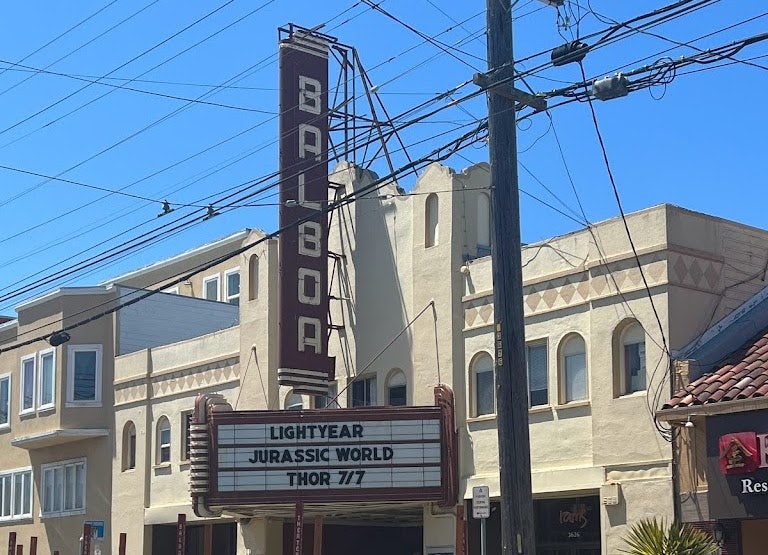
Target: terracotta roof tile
{"points": [[743, 375]]}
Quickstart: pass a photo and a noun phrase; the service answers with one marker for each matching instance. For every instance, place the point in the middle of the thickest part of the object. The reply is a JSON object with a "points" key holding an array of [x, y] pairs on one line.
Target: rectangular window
{"points": [[27, 385], [186, 420], [364, 392], [211, 288], [16, 494], [575, 377], [326, 401], [5, 400], [484, 393], [537, 374], [63, 488], [84, 375], [232, 278], [165, 444], [47, 378], [634, 359]]}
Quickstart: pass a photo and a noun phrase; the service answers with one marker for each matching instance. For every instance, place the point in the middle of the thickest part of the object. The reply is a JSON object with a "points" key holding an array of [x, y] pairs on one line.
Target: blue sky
{"points": [[699, 142]]}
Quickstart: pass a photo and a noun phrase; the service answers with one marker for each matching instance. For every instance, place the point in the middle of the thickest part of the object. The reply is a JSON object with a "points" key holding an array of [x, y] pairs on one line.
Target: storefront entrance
{"points": [[567, 526]]}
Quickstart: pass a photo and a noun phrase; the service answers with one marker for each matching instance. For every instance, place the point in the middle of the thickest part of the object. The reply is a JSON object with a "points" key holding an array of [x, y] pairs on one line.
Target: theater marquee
{"points": [[364, 454]]}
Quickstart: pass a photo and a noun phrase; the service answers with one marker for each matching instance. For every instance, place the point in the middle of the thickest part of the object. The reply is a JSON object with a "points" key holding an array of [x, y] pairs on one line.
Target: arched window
{"points": [[253, 277], [482, 387], [629, 345], [430, 221], [483, 225], [129, 446], [573, 369], [294, 401], [163, 440], [397, 389]]}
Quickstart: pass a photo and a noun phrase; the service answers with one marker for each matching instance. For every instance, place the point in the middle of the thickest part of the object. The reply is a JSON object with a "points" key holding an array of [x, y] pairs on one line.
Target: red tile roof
{"points": [[743, 375]]}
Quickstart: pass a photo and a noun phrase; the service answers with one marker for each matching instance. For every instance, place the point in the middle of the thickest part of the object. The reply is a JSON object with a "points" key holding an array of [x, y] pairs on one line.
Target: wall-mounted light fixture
{"points": [[689, 423]]}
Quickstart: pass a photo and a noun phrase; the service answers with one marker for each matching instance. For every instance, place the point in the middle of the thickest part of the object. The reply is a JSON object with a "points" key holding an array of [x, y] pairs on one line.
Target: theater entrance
{"points": [[398, 533]]}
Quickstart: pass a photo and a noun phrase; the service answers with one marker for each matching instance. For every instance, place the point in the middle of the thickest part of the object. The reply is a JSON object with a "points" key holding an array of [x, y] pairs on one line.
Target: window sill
{"points": [[46, 410], [482, 418], [82, 404], [62, 513], [184, 465], [633, 394], [573, 405], [27, 413], [5, 428], [23, 519], [539, 409], [128, 470], [161, 466]]}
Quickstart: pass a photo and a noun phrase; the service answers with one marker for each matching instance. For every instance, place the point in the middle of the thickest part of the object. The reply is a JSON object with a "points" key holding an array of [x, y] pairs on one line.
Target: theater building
{"points": [[412, 308]]}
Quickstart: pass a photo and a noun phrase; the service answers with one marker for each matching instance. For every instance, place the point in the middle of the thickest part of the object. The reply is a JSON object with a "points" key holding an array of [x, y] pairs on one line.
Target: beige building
{"points": [[57, 417], [411, 307]]}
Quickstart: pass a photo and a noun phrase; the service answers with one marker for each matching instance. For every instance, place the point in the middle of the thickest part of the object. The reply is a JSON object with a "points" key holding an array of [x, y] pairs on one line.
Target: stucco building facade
{"points": [[411, 307]]}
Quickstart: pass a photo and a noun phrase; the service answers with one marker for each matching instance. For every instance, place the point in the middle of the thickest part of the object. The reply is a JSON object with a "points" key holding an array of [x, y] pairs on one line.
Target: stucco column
{"points": [[260, 536], [439, 530]]}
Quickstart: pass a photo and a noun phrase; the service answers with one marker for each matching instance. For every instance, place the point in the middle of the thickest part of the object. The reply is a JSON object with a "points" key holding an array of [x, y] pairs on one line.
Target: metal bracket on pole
{"points": [[488, 82]]}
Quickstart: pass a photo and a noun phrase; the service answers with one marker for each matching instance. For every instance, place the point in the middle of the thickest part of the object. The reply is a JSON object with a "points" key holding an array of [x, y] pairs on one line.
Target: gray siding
{"points": [[164, 318]]}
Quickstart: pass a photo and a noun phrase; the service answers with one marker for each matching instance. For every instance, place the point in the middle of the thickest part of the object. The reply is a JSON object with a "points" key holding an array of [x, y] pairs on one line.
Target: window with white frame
{"points": [[364, 392], [163, 440], [5, 400], [47, 370], [211, 288], [63, 488], [84, 375], [27, 389], [16, 494], [483, 397], [232, 281], [536, 357], [573, 369]]}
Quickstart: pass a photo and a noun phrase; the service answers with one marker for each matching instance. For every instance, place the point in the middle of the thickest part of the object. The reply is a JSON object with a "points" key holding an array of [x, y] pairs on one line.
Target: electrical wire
{"points": [[435, 155]]}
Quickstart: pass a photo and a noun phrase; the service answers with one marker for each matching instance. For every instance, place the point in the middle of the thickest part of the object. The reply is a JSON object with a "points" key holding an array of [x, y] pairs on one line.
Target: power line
{"points": [[68, 54], [65, 33], [98, 81], [437, 154], [144, 53]]}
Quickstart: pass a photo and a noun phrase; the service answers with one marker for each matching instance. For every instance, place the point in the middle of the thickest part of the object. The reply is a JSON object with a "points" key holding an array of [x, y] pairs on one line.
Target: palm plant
{"points": [[652, 537]]}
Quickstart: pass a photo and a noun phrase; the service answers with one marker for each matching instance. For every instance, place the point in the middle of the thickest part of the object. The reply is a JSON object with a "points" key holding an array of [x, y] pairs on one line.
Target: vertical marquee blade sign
{"points": [[303, 244]]}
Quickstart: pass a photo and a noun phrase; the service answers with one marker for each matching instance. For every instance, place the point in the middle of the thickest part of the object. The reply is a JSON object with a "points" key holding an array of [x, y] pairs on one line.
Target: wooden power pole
{"points": [[517, 534]]}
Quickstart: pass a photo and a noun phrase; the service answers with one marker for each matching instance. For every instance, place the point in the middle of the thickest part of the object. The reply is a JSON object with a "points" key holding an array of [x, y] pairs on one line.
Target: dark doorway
{"points": [[223, 539], [356, 539]]}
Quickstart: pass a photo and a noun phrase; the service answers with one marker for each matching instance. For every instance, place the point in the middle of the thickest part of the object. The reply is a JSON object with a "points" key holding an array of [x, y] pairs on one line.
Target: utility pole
{"points": [[517, 534]]}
